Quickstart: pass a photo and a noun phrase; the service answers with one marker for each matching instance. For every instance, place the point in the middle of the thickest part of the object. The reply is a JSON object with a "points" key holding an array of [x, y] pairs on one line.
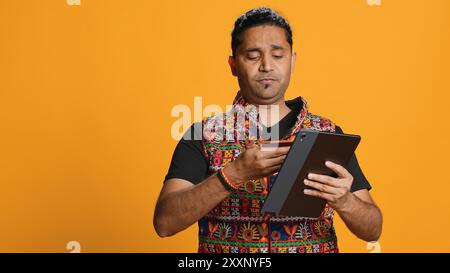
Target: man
{"points": [[222, 180]]}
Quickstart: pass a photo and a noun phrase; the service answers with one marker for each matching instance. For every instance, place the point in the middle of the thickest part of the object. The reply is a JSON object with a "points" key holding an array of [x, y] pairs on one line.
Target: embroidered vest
{"points": [[235, 225]]}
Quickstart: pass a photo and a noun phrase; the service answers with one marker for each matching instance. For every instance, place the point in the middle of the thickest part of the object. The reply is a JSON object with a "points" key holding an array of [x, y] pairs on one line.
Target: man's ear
{"points": [[293, 59], [232, 63]]}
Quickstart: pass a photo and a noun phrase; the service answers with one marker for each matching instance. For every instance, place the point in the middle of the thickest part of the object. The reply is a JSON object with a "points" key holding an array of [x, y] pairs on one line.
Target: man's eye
{"points": [[278, 56], [252, 58]]}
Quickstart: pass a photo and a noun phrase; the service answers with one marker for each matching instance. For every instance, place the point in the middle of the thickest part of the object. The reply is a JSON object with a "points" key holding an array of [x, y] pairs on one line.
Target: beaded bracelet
{"points": [[225, 181]]}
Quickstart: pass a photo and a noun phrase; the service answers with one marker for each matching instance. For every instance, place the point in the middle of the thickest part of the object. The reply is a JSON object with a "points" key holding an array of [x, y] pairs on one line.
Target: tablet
{"points": [[308, 154]]}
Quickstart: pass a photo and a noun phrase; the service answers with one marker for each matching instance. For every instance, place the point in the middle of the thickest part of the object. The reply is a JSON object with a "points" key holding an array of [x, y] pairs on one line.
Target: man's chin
{"points": [[266, 100], [267, 96]]}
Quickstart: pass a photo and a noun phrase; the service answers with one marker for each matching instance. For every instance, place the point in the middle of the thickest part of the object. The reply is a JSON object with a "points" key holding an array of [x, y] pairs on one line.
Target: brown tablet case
{"points": [[307, 154]]}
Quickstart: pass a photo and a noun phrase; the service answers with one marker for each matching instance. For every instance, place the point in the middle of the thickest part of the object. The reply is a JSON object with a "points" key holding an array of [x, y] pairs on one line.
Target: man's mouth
{"points": [[266, 80]]}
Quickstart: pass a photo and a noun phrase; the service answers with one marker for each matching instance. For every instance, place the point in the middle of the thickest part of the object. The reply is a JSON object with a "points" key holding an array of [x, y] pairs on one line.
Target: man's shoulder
{"points": [[319, 122], [193, 133]]}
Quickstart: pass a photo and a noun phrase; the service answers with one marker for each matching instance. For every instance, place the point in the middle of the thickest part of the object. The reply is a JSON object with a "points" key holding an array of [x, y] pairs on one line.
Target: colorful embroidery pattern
{"points": [[236, 225]]}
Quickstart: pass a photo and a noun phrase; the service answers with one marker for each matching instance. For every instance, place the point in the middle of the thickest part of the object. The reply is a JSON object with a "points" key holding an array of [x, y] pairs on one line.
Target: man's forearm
{"points": [[178, 210], [362, 218]]}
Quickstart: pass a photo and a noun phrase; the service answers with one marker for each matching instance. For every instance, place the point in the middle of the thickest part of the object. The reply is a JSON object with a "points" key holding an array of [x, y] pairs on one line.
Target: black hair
{"points": [[257, 17]]}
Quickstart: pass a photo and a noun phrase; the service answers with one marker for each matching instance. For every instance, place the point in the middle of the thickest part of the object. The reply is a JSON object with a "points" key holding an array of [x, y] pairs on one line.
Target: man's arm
{"points": [[362, 216], [181, 203], [357, 209]]}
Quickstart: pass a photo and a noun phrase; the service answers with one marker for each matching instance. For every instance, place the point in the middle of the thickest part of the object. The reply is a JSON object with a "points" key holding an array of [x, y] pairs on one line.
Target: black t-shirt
{"points": [[188, 161]]}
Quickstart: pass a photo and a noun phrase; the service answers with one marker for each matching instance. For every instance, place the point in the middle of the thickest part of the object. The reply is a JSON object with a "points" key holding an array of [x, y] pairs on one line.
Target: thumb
{"points": [[252, 145]]}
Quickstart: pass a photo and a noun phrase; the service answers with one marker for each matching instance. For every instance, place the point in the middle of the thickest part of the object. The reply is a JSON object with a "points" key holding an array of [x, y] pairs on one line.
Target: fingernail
{"points": [[327, 163]]}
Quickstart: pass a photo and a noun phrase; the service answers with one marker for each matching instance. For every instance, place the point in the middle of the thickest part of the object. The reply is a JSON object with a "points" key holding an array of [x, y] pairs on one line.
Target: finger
{"points": [[253, 146], [274, 168], [275, 152], [338, 169], [271, 170], [325, 179], [319, 194], [321, 187], [274, 161]]}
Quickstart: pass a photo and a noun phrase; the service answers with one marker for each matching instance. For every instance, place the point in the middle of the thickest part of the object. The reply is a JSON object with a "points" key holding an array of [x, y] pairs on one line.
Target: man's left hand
{"points": [[335, 190]]}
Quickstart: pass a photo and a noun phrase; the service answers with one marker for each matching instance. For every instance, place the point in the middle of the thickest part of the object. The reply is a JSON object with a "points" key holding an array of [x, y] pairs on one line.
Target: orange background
{"points": [[86, 94]]}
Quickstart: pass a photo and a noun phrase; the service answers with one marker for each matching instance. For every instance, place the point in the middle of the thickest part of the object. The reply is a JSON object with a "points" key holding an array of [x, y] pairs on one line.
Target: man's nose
{"points": [[266, 64]]}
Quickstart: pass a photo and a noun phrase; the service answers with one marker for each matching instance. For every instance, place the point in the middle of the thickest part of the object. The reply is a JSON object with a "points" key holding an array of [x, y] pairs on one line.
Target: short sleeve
{"points": [[188, 161]]}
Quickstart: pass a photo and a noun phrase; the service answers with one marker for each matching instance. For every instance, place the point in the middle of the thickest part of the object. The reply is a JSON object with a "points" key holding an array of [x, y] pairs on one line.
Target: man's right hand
{"points": [[255, 163], [171, 215]]}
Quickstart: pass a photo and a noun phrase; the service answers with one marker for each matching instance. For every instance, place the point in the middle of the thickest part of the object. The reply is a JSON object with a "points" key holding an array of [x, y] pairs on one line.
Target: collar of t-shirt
{"points": [[286, 122]]}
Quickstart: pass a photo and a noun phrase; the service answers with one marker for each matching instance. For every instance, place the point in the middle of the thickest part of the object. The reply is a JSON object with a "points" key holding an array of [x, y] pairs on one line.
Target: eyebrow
{"points": [[277, 47], [273, 46]]}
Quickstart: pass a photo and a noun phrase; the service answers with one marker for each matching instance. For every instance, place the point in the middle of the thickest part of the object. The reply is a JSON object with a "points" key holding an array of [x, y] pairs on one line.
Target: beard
{"points": [[267, 92]]}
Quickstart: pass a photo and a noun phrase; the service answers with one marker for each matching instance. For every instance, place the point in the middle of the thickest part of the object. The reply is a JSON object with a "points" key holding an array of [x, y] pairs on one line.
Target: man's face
{"points": [[263, 63]]}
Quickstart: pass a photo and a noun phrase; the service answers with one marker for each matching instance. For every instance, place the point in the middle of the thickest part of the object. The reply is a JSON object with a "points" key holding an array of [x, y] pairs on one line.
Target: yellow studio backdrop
{"points": [[86, 93]]}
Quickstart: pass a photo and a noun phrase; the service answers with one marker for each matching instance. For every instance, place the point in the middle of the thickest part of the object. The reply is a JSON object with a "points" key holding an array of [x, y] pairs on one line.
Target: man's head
{"points": [[262, 59]]}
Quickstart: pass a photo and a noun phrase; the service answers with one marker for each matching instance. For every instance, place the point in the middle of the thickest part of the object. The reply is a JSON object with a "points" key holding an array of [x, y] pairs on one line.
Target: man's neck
{"points": [[273, 113]]}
